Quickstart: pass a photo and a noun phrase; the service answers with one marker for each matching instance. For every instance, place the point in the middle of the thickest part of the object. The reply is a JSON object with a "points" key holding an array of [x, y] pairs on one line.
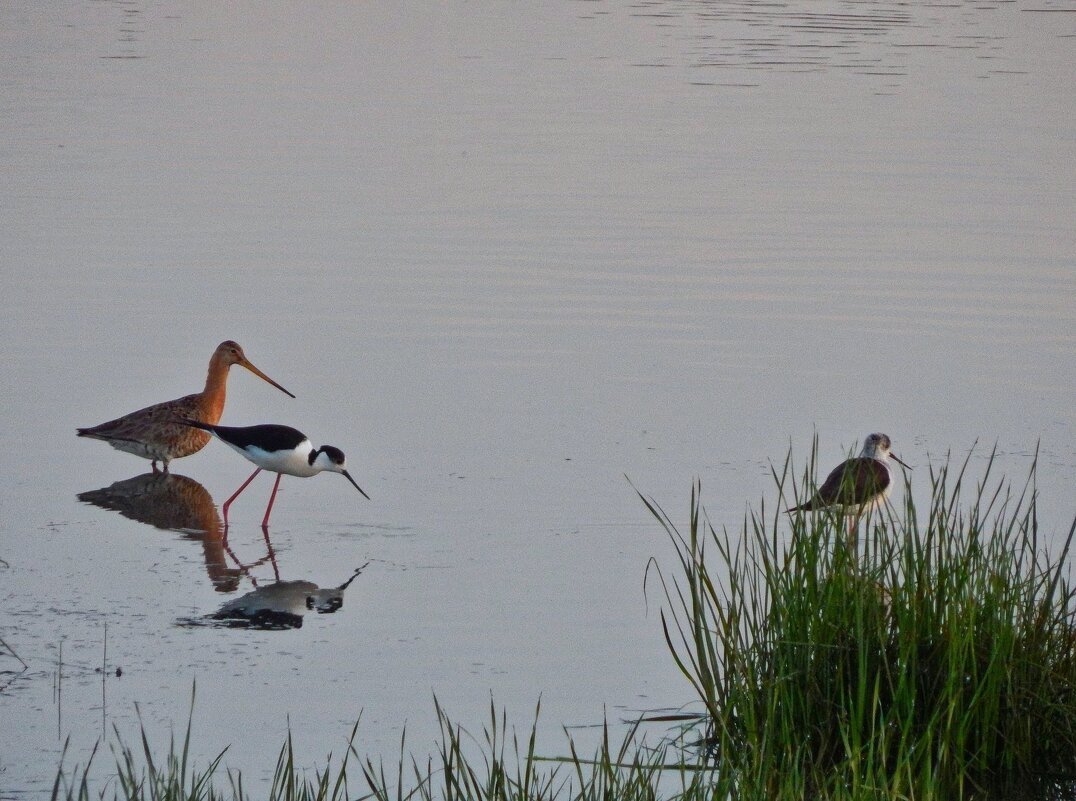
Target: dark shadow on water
{"points": [[277, 606], [173, 502]]}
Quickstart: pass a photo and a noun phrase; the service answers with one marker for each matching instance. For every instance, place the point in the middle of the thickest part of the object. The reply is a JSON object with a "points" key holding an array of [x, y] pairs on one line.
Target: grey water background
{"points": [[508, 257]]}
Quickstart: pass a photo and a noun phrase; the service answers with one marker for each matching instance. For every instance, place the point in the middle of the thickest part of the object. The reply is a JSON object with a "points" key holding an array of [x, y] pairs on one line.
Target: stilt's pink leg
{"points": [[853, 530], [269, 508], [235, 495]]}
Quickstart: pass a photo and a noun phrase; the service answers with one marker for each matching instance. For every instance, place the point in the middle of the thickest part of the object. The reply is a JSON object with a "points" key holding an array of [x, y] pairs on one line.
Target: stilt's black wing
{"points": [[267, 437], [854, 482]]}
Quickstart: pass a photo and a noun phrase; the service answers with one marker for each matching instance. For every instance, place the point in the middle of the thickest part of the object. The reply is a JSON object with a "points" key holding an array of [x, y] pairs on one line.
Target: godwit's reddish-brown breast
{"points": [[153, 432]]}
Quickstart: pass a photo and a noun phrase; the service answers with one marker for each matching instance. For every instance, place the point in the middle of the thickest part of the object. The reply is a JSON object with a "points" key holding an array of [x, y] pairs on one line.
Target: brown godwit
{"points": [[153, 432]]}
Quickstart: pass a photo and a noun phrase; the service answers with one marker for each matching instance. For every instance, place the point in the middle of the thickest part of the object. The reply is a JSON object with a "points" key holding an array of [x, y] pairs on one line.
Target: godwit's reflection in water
{"points": [[177, 503], [280, 605]]}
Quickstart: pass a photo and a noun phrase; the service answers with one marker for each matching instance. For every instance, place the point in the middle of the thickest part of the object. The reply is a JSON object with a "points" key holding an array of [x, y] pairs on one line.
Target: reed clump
{"points": [[924, 659]]}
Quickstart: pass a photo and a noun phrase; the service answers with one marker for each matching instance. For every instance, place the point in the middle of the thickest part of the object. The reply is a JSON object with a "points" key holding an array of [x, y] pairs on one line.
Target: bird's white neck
{"points": [[320, 462], [872, 450]]}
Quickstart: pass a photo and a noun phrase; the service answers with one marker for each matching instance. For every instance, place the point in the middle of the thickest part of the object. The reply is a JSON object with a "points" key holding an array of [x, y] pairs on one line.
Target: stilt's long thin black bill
{"points": [[356, 486]]}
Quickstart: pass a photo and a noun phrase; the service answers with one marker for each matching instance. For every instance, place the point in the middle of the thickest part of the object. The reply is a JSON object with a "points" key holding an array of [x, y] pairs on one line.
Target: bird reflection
{"points": [[277, 606], [175, 503]]}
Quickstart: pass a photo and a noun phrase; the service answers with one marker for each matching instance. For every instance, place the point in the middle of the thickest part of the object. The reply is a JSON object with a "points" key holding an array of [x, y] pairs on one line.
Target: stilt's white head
{"points": [[332, 460], [877, 446]]}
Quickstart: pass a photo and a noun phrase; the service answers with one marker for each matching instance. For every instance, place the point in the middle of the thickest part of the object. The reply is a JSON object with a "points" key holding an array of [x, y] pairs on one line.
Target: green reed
{"points": [[472, 768], [920, 660]]}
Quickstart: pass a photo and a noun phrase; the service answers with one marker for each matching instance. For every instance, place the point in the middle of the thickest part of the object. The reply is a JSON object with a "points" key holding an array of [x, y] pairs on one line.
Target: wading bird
{"points": [[858, 484], [279, 449], [153, 432]]}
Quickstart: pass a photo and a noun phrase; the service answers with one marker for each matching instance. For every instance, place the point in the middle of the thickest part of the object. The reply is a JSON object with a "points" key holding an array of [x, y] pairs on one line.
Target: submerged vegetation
{"points": [[927, 658]]}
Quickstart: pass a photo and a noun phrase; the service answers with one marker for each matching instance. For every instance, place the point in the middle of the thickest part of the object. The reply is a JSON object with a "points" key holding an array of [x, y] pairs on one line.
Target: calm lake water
{"points": [[507, 257]]}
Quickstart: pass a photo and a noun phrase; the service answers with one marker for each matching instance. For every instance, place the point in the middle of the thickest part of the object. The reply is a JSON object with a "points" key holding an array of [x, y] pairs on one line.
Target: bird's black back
{"points": [[851, 483], [268, 437]]}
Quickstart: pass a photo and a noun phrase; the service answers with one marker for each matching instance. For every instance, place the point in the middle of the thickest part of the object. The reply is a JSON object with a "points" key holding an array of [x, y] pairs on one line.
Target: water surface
{"points": [[506, 258]]}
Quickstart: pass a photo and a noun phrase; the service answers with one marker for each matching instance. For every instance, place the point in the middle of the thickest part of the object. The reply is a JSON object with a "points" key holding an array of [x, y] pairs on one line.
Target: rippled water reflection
{"points": [[863, 38]]}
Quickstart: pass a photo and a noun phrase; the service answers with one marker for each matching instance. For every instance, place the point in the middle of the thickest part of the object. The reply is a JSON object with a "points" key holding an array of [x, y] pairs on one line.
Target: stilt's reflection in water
{"points": [[177, 503], [277, 606]]}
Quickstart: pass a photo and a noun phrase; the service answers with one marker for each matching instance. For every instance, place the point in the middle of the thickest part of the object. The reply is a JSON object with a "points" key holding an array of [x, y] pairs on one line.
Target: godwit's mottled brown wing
{"points": [[152, 432], [855, 482]]}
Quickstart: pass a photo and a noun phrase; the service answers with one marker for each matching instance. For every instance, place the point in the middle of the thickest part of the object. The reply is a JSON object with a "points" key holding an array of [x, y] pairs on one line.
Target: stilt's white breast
{"points": [[295, 462]]}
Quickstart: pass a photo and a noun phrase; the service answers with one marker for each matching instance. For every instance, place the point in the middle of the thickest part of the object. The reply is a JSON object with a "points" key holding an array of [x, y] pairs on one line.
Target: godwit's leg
{"points": [[153, 464], [235, 495], [269, 508]]}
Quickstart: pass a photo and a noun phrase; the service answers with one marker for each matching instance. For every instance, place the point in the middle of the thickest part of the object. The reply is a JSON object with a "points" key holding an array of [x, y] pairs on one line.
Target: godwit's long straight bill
{"points": [[245, 362]]}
